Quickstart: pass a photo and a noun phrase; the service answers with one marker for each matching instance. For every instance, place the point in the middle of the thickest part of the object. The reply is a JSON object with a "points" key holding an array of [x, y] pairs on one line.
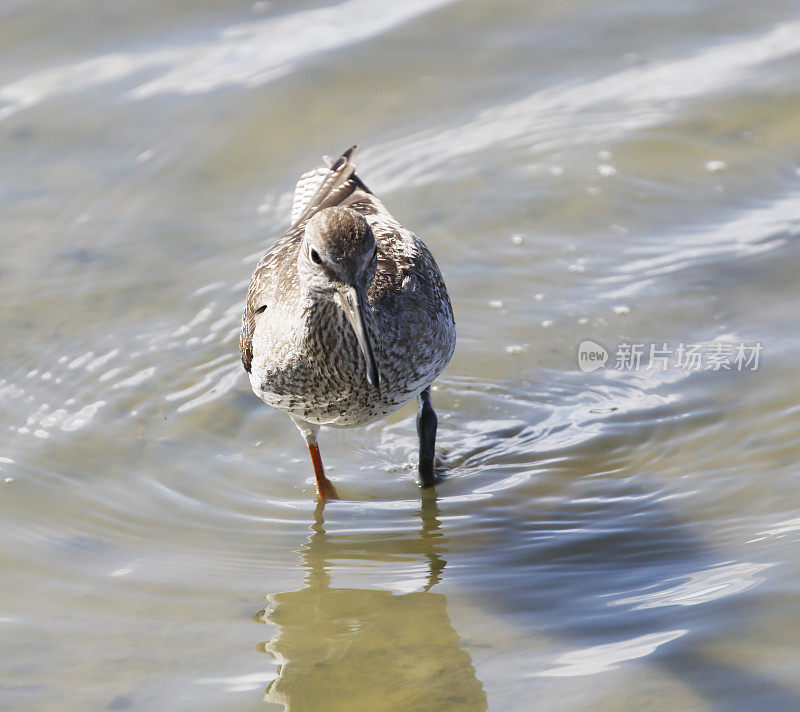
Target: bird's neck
{"points": [[323, 313]]}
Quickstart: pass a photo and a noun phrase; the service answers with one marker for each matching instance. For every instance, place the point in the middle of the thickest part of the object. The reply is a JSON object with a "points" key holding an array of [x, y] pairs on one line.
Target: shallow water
{"points": [[621, 539]]}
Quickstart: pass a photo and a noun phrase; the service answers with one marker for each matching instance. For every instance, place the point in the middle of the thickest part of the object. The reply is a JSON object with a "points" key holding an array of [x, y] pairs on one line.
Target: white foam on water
{"points": [[136, 378], [780, 529], [602, 658], [700, 587], [239, 683], [43, 419]]}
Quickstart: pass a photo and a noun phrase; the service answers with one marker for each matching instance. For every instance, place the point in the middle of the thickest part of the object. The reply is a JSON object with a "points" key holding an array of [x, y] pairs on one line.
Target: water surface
{"points": [[622, 539]]}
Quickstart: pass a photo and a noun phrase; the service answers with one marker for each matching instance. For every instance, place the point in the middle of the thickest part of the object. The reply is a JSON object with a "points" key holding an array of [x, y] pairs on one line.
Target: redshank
{"points": [[347, 317]]}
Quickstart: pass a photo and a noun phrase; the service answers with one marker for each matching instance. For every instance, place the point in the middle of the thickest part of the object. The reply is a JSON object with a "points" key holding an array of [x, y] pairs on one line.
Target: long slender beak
{"points": [[355, 304]]}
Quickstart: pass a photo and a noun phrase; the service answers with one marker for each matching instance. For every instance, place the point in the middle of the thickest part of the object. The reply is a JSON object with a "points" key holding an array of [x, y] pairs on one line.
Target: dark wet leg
{"points": [[426, 429]]}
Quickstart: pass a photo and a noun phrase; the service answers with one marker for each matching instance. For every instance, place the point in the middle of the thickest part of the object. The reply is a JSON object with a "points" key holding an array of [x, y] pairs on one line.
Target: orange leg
{"points": [[325, 488]]}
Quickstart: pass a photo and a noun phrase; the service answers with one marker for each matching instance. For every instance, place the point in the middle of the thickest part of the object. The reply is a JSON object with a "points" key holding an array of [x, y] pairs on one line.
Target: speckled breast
{"points": [[317, 373]]}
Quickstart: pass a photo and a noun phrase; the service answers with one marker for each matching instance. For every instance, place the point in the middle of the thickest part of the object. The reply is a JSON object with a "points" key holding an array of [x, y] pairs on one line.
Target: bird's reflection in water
{"points": [[363, 649]]}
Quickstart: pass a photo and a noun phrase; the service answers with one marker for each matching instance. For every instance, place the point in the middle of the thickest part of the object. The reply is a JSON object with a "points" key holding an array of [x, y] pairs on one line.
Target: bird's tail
{"points": [[326, 186]]}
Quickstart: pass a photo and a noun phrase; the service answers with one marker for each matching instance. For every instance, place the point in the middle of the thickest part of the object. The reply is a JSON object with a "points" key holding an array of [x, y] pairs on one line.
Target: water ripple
{"points": [[247, 55], [701, 587], [601, 658], [555, 118]]}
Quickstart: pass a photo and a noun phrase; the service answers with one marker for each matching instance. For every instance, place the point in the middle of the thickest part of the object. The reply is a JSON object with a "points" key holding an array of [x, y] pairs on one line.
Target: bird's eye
{"points": [[314, 255]]}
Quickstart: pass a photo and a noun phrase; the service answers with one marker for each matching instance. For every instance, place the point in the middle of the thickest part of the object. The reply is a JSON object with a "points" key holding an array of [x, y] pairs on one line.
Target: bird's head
{"points": [[338, 258]]}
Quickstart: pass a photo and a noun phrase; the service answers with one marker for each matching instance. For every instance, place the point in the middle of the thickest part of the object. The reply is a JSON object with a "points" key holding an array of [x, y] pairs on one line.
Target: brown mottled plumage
{"points": [[347, 317]]}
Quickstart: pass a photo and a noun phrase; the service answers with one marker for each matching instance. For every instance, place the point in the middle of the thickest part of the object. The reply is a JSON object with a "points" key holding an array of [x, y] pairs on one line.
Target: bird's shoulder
{"points": [[398, 247], [404, 261]]}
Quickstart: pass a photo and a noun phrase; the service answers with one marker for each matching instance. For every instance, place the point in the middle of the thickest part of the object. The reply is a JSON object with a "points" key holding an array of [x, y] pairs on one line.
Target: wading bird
{"points": [[347, 317]]}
